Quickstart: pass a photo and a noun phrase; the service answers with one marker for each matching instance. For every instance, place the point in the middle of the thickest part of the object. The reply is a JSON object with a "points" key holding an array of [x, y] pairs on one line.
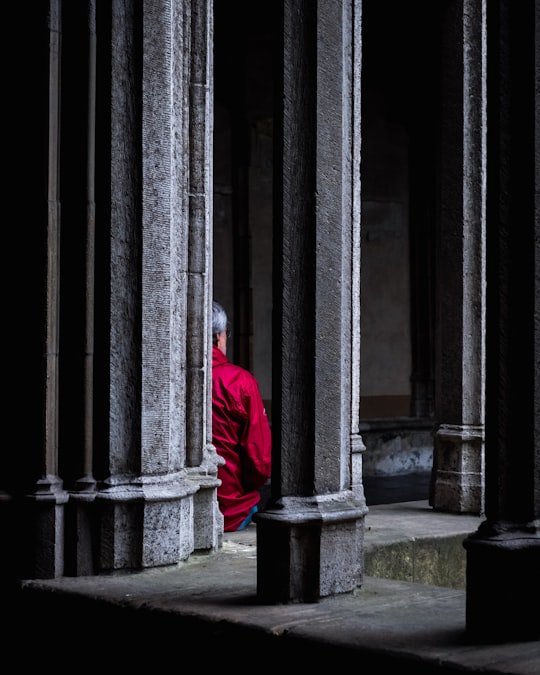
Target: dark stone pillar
{"points": [[503, 556], [47, 500]]}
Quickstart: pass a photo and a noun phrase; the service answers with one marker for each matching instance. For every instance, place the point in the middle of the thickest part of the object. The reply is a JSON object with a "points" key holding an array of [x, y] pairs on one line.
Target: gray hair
{"points": [[219, 319]]}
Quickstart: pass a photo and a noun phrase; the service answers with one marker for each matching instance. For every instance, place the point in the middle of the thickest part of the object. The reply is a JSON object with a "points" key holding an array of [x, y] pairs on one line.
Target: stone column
{"points": [[202, 459], [310, 539], [503, 556], [46, 508], [457, 479], [147, 500], [79, 537]]}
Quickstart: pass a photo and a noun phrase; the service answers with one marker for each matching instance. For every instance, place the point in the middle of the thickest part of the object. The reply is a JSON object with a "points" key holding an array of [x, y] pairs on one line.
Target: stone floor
{"points": [[207, 609]]}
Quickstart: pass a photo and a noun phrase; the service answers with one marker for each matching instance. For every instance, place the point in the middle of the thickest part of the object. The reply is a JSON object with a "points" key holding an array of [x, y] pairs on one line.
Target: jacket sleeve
{"points": [[256, 438]]}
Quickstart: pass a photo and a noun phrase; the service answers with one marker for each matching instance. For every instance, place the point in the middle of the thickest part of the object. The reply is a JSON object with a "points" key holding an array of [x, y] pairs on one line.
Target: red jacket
{"points": [[241, 435]]}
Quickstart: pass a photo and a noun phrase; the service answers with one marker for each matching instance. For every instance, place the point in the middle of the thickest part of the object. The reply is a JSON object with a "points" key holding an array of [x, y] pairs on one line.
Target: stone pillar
{"points": [[310, 539], [147, 500], [79, 531], [457, 478], [503, 556], [46, 503], [202, 459]]}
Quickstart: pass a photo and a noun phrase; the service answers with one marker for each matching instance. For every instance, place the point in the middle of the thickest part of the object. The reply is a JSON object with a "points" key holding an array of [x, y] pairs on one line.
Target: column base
{"points": [[309, 547], [457, 484], [503, 583]]}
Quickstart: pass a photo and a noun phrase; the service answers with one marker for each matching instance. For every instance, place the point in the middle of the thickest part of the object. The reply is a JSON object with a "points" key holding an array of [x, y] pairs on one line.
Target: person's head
{"points": [[219, 326]]}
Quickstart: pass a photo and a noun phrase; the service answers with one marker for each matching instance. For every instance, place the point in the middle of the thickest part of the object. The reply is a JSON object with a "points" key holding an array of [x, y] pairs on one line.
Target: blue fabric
{"points": [[247, 520]]}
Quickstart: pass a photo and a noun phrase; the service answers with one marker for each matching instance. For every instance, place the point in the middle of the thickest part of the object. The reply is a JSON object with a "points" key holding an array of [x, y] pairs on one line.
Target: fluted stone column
{"points": [[457, 479], [310, 539], [503, 556]]}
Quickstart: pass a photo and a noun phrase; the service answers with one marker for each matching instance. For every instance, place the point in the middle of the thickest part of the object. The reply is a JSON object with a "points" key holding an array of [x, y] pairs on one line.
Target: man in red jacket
{"points": [[240, 432]]}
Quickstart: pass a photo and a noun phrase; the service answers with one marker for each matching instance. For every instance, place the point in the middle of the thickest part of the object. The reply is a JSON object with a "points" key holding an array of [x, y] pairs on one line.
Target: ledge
{"points": [[209, 604]]}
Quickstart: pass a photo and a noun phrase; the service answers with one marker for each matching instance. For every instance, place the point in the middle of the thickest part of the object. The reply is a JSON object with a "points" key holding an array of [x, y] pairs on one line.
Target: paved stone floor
{"points": [[208, 605]]}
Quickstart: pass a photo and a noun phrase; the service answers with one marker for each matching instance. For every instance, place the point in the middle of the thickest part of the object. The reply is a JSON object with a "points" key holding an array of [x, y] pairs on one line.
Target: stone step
{"points": [[411, 542]]}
